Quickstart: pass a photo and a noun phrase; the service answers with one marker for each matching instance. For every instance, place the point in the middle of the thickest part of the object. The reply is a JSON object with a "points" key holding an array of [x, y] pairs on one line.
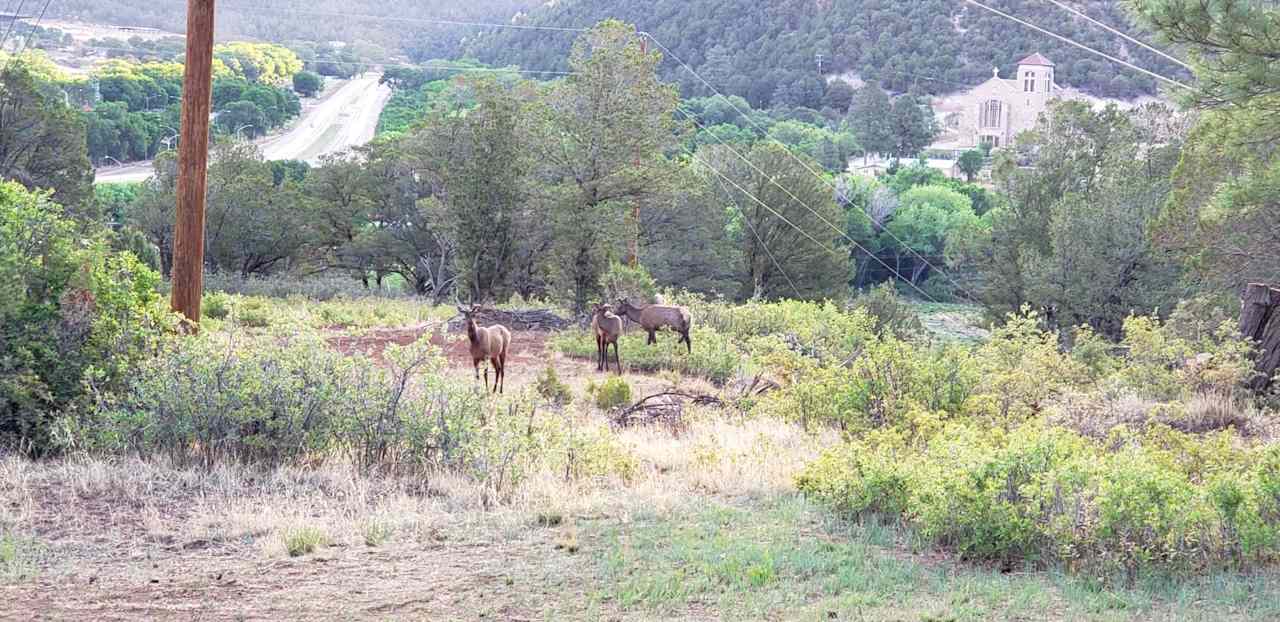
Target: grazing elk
{"points": [[653, 317], [606, 327], [487, 343]]}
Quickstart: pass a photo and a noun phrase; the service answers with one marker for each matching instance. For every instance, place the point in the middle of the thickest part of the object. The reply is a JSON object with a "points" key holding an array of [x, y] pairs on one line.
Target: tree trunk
{"points": [[1260, 323]]}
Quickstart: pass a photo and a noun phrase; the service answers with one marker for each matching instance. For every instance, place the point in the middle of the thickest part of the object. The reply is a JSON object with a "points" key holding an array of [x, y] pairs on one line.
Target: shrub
{"points": [[254, 313], [612, 393], [552, 389], [891, 314], [299, 541], [72, 313], [377, 531], [20, 558], [860, 479], [216, 305], [817, 330], [593, 452], [214, 397], [1159, 499]]}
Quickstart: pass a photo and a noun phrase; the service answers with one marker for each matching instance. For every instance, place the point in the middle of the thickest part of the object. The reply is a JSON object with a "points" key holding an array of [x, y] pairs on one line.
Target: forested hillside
{"points": [[766, 50], [387, 23]]}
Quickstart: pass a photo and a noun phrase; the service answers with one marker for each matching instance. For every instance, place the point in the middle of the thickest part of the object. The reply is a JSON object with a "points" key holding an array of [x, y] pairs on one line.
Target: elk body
{"points": [[654, 317], [606, 327], [488, 343]]}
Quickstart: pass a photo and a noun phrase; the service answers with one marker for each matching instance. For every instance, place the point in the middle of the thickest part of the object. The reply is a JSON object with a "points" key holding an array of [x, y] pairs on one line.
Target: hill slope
{"points": [[388, 23], [768, 49]]}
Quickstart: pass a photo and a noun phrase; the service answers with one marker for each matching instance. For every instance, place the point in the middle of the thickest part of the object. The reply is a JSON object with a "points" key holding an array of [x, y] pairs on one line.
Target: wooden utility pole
{"points": [[193, 162]]}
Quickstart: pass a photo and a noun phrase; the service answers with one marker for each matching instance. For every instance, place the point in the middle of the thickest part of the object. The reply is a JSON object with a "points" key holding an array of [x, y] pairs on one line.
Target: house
{"points": [[997, 110]]}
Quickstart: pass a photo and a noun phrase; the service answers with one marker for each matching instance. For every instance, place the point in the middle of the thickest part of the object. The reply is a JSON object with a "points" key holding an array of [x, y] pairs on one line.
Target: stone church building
{"points": [[997, 110]]}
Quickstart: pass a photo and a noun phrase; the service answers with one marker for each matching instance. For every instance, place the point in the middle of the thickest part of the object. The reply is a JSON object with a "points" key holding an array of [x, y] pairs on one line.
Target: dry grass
{"points": [[1096, 415]]}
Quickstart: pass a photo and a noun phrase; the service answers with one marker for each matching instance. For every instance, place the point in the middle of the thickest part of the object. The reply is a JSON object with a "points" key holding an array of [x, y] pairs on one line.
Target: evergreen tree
{"points": [[870, 119], [913, 126]]}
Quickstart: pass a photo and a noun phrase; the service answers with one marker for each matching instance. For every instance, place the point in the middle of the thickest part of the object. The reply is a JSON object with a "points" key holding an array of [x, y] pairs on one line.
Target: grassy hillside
{"points": [[768, 50]]}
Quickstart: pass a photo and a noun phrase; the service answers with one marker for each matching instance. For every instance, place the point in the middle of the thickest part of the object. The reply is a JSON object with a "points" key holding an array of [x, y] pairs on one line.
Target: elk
{"points": [[487, 343], [606, 327], [653, 317]]}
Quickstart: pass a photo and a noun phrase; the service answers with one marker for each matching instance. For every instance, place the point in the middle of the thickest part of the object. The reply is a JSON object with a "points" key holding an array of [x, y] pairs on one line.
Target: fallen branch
{"points": [[666, 407]]}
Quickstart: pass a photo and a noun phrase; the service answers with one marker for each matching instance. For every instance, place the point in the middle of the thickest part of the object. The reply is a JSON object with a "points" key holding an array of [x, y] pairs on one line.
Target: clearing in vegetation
{"points": [[283, 499]]}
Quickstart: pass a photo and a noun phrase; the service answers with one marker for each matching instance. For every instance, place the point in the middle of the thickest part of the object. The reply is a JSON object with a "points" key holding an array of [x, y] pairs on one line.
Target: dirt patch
{"points": [[474, 580], [526, 346]]}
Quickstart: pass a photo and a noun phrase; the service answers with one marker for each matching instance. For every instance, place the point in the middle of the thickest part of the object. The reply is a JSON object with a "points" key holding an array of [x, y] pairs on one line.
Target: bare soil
{"points": [[465, 580], [526, 347]]}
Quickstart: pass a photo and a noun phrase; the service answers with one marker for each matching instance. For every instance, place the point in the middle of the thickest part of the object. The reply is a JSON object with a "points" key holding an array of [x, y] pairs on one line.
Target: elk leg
{"points": [[652, 339], [617, 357], [486, 378], [687, 343], [601, 352]]}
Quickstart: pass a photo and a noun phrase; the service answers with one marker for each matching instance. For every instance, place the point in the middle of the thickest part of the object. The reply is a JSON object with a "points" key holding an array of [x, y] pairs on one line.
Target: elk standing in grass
{"points": [[653, 317], [606, 327], [487, 343]]}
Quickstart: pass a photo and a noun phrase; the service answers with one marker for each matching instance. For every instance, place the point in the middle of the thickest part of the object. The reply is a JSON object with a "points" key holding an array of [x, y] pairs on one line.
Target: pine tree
{"points": [[869, 118]]}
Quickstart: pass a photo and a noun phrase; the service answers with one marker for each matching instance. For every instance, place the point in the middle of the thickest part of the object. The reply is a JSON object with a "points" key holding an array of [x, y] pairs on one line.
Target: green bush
{"points": [[1156, 500], [892, 315], [551, 388], [299, 541], [72, 314], [216, 305], [634, 284], [1113, 460], [818, 330], [612, 393], [714, 356]]}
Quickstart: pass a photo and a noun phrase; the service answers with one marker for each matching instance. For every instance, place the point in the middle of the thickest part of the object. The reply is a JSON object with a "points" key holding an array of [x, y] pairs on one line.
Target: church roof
{"points": [[1036, 59]]}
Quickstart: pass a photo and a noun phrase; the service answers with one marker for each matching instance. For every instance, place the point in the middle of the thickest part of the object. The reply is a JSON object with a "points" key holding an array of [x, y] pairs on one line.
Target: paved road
{"points": [[345, 117]]}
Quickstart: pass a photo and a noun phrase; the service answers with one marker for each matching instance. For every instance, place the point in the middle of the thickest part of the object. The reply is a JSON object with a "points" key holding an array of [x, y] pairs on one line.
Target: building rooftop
{"points": [[1036, 59]]}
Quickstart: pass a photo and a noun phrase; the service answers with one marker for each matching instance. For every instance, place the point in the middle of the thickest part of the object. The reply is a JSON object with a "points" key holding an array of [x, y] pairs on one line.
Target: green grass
{"points": [[19, 558], [953, 322], [301, 541], [714, 356], [789, 560], [377, 531]]}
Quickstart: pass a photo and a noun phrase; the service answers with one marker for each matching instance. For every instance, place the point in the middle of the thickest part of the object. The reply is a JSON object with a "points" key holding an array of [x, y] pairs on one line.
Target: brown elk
{"points": [[606, 327], [487, 343], [653, 317]]}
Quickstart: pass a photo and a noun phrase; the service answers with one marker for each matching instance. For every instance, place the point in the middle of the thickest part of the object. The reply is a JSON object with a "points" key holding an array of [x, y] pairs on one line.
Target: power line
{"points": [[838, 230], [751, 226], [806, 166], [31, 33], [1095, 22], [9, 31], [766, 206], [1076, 44]]}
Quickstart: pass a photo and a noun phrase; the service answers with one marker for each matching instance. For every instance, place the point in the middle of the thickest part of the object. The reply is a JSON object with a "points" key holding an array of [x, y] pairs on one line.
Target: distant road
{"points": [[343, 118]]}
